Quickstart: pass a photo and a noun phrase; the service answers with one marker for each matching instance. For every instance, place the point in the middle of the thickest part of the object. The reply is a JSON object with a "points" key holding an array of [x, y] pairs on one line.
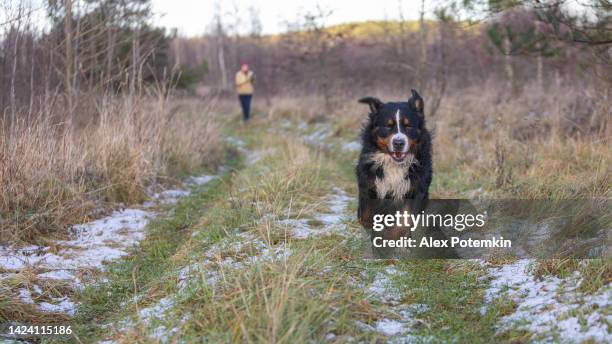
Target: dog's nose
{"points": [[398, 143]]}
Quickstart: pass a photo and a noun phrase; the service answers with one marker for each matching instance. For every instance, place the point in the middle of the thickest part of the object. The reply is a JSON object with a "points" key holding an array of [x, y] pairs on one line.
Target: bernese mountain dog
{"points": [[395, 164]]}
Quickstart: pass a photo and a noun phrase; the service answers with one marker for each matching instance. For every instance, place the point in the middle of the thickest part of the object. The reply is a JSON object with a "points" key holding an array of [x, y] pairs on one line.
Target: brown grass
{"points": [[53, 174], [540, 143]]}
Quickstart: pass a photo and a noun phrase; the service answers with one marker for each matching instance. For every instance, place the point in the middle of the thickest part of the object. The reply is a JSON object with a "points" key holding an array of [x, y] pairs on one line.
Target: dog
{"points": [[395, 164]]}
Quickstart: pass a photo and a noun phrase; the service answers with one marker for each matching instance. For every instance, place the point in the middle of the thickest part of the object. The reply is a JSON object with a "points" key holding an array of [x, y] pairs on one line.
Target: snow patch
{"points": [[332, 221], [25, 296], [150, 318], [156, 310], [95, 242], [252, 157], [318, 136], [383, 289], [60, 305], [352, 146], [201, 180], [92, 244], [235, 141], [57, 275], [390, 327], [550, 308], [169, 197]]}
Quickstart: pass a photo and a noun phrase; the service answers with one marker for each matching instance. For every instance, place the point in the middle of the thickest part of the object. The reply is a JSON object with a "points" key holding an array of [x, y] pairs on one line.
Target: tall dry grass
{"points": [[53, 174], [538, 143], [541, 143]]}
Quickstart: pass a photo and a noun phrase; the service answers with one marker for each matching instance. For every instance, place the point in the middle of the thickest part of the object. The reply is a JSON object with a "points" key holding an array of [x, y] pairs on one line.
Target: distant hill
{"points": [[375, 28], [371, 29]]}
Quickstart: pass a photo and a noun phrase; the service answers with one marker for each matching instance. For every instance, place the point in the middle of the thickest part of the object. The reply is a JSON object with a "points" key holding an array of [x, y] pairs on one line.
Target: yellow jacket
{"points": [[244, 82]]}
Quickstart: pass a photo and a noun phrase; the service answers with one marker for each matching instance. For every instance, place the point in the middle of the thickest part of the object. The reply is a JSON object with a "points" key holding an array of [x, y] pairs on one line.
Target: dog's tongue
{"points": [[398, 155]]}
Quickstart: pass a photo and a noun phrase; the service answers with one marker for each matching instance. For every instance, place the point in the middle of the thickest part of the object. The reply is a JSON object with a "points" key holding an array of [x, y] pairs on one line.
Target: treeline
{"points": [[96, 48], [83, 50], [88, 119], [511, 43]]}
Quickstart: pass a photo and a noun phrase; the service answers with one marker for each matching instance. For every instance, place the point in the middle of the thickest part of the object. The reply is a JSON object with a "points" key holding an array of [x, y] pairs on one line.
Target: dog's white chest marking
{"points": [[394, 181]]}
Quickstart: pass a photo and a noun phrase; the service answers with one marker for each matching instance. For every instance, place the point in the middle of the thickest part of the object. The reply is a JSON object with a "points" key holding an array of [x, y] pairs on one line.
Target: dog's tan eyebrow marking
{"points": [[390, 122], [405, 122]]}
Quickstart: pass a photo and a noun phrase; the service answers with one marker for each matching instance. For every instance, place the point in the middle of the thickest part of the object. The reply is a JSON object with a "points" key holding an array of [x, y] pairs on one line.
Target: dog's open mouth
{"points": [[399, 156]]}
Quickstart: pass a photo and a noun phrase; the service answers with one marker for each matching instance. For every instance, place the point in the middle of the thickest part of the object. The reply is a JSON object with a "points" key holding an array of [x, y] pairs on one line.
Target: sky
{"points": [[192, 17]]}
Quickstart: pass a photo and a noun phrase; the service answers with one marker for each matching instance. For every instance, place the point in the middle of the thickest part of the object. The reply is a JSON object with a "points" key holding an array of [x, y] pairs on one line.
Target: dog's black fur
{"points": [[379, 129]]}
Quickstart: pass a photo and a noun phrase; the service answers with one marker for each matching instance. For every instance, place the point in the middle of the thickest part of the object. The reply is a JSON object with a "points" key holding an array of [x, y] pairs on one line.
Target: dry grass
{"points": [[53, 174], [14, 307], [595, 272], [320, 288], [524, 146], [552, 143]]}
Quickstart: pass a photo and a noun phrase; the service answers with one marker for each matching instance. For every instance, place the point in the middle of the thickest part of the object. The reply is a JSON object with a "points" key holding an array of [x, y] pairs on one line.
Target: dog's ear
{"points": [[374, 103], [416, 102]]}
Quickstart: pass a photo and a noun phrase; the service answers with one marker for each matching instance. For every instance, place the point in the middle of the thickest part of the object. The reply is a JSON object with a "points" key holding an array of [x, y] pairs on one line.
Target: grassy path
{"points": [[271, 252]]}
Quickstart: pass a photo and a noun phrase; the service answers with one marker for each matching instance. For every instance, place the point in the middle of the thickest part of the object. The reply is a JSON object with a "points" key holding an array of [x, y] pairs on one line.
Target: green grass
{"points": [[453, 292]]}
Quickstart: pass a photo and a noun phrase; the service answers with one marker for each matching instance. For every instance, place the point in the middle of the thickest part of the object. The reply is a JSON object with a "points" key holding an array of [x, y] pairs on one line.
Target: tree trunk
{"points": [[13, 78], [48, 70], [436, 99], [508, 63], [69, 60], [221, 57], [539, 61], [422, 75], [75, 67], [134, 66], [32, 53], [110, 51], [540, 72]]}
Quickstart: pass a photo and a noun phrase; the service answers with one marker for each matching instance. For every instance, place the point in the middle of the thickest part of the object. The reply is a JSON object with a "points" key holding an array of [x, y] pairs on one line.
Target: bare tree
{"points": [[134, 66], [539, 60], [76, 52], [69, 60], [508, 62], [316, 48], [15, 14], [15, 56], [255, 27], [219, 33], [423, 40]]}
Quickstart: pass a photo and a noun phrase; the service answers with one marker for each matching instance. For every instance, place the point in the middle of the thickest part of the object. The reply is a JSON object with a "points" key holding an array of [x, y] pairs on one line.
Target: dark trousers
{"points": [[245, 103]]}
